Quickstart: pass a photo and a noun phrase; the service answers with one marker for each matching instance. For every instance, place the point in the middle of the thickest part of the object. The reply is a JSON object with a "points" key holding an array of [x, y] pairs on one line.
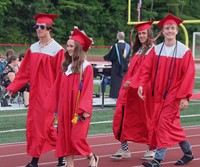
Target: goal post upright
{"points": [[196, 45], [155, 22]]}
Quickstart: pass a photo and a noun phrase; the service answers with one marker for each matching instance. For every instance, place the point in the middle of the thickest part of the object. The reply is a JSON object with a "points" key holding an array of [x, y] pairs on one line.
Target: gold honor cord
{"points": [[75, 119]]}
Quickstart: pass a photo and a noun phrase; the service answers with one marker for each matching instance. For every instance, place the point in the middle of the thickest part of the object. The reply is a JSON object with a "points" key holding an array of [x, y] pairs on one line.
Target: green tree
{"points": [[101, 19]]}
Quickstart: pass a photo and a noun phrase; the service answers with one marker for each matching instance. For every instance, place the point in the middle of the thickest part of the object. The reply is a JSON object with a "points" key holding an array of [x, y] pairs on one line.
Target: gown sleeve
{"points": [[111, 56], [188, 70]]}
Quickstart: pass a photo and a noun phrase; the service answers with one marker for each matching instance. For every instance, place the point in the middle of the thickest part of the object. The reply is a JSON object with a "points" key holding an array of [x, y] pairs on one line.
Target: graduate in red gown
{"points": [[75, 101], [171, 70], [41, 67], [131, 117]]}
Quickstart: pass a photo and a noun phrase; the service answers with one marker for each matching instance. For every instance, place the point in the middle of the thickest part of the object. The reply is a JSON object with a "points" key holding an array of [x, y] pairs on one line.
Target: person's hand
{"points": [[86, 115], [183, 104], [127, 84], [140, 92]]}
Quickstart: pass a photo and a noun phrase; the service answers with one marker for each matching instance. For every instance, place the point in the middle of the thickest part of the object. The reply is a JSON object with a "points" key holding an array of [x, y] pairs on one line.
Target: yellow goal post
{"points": [[155, 22]]}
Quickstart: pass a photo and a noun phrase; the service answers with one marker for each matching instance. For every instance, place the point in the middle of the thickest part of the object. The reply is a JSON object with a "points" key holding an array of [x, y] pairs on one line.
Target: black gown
{"points": [[119, 69]]}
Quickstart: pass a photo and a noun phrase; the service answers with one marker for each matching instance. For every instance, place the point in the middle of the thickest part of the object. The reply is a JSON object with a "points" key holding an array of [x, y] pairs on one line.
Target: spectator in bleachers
{"points": [[26, 88], [2, 63], [20, 58], [2, 89], [9, 53], [9, 70], [9, 74]]}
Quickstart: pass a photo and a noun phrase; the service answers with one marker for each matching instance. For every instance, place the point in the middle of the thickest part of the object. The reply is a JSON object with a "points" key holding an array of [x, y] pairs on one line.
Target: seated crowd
{"points": [[9, 68]]}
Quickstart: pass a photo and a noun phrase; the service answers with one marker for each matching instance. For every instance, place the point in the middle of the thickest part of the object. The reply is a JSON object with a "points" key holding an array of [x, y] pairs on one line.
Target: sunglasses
{"points": [[42, 27]]}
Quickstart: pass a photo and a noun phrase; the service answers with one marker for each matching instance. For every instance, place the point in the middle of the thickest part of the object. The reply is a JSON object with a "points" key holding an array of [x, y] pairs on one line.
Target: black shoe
{"points": [[61, 162], [26, 105], [153, 163], [30, 165], [61, 165], [185, 159]]}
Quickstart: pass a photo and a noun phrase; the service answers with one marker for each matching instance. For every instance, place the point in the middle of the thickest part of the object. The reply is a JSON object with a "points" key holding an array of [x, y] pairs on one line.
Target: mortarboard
{"points": [[45, 18], [81, 38], [144, 26], [170, 19]]}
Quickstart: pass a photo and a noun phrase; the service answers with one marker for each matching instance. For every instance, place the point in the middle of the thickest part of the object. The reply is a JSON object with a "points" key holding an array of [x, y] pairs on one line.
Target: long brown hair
{"points": [[137, 44], [78, 59]]}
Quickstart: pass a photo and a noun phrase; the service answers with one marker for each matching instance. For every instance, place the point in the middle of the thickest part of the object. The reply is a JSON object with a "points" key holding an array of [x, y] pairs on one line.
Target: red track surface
{"points": [[14, 155]]}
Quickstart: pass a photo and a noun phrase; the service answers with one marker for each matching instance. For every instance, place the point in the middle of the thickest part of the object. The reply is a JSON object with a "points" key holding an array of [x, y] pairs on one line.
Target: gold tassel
{"points": [[75, 119]]}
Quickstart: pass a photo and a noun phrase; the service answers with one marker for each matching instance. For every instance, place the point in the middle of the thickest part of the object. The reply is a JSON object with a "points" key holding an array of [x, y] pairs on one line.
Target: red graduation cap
{"points": [[170, 19], [45, 18], [81, 38], [144, 26]]}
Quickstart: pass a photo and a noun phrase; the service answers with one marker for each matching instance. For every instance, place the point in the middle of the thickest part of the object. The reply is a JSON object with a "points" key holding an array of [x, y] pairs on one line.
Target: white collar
{"points": [[121, 41], [69, 69]]}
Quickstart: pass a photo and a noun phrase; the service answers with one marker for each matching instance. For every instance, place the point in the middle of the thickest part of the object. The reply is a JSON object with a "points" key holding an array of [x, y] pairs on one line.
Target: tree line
{"points": [[101, 19]]}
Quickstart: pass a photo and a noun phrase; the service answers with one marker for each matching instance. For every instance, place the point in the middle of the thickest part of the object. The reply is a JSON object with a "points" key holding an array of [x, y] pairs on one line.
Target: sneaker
{"points": [[149, 155], [121, 154], [63, 164], [184, 160], [153, 163]]}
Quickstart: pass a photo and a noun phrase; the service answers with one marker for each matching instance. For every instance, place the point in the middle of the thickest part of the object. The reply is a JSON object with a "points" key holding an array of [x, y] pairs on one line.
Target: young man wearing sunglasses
{"points": [[41, 67]]}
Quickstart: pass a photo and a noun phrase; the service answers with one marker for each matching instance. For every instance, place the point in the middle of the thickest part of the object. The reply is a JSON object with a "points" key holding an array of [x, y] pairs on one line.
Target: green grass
{"points": [[13, 137], [16, 120], [193, 109], [197, 73], [98, 51]]}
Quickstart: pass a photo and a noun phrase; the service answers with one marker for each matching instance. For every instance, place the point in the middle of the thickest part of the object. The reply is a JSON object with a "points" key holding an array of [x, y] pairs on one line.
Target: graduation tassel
{"points": [[76, 117]]}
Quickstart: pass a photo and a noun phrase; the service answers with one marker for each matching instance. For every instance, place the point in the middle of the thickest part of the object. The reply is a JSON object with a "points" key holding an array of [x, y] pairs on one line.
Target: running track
{"points": [[14, 155]]}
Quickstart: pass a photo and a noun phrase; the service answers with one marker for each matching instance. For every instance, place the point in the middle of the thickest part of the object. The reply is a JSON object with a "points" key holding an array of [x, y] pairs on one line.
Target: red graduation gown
{"points": [[40, 67], [166, 129], [132, 124], [72, 137]]}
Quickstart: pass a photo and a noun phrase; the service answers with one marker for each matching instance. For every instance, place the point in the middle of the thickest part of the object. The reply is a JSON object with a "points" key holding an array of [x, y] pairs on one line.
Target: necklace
{"points": [[43, 45], [141, 50]]}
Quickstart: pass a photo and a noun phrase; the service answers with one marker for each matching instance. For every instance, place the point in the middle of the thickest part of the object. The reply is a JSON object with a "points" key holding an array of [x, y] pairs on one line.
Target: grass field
{"points": [[12, 123]]}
